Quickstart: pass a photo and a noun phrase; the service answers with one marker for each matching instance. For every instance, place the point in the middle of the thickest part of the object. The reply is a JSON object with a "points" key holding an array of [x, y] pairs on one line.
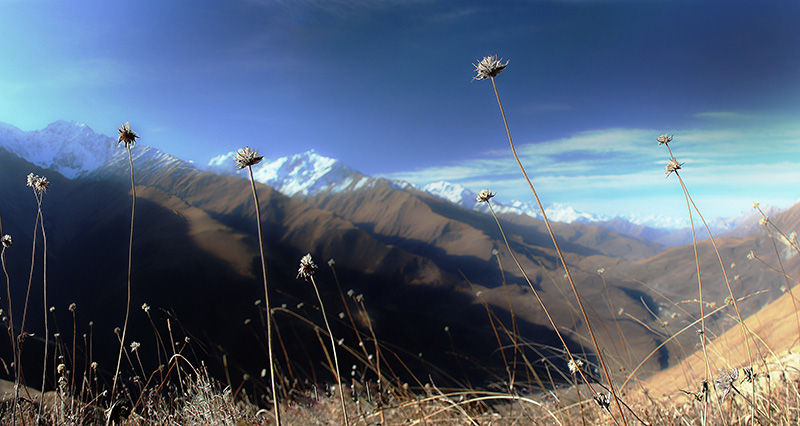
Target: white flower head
{"points": [[665, 139], [673, 166], [489, 67], [246, 157], [484, 196], [307, 267], [5, 241], [135, 346]]}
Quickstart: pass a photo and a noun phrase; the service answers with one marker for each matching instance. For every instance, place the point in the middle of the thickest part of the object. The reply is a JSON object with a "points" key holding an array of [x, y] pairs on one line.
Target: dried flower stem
{"points": [[130, 261], [266, 298], [561, 257], [333, 348]]}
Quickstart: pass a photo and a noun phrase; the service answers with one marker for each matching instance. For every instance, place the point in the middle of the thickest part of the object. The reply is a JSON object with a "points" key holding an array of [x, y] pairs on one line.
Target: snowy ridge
{"points": [[67, 147], [305, 174]]}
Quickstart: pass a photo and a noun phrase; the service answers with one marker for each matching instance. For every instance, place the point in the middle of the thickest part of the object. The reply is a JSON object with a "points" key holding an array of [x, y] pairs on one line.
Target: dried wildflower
{"points": [[5, 241], [755, 204], [146, 308], [665, 139], [72, 307], [94, 365], [61, 368], [135, 346], [485, 195], [673, 166], [489, 67], [307, 267], [749, 374], [495, 252], [127, 136], [751, 255], [38, 183], [574, 365], [603, 400], [601, 271], [724, 382], [763, 221], [246, 157], [331, 262]]}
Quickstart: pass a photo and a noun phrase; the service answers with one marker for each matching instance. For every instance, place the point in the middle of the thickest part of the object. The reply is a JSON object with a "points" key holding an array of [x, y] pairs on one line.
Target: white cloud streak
{"points": [[615, 169]]}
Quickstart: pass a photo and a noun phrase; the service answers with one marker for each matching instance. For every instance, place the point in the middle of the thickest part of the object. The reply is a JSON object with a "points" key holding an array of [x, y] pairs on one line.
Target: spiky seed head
{"points": [[135, 346], [672, 166], [38, 183], [489, 67], [484, 196], [5, 240], [665, 139], [127, 136], [574, 365], [307, 267], [755, 204], [247, 157]]}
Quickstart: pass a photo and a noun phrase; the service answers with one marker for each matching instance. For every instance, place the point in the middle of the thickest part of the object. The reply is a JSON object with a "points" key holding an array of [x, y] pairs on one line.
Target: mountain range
{"points": [[424, 260]]}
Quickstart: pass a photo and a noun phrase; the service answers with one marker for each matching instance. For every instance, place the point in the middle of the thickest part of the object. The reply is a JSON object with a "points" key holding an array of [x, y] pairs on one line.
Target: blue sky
{"points": [[385, 86]]}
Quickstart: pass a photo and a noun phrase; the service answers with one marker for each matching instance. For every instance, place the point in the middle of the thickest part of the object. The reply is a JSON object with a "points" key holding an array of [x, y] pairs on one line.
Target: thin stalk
{"points": [[266, 298], [333, 348], [563, 261], [130, 260]]}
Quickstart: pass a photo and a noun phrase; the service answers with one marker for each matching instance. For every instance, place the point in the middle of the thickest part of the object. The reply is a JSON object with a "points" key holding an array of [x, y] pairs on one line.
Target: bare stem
{"points": [[266, 299], [563, 261], [333, 348], [130, 260]]}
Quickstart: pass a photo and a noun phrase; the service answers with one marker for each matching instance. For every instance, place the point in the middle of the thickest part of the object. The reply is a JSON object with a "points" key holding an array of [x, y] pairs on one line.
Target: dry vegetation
{"points": [[758, 384]]}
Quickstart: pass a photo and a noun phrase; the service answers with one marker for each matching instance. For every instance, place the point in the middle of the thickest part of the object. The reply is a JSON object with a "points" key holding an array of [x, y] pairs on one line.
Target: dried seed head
{"points": [[127, 136], [246, 157], [665, 139], [763, 221], [146, 308], [673, 166], [307, 267], [72, 307], [601, 271], [489, 67], [38, 183], [574, 365], [755, 204], [135, 346], [725, 381], [5, 241], [484, 196]]}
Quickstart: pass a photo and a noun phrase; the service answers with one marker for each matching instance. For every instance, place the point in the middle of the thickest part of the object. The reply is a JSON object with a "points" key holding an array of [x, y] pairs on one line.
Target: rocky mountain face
{"points": [[422, 263]]}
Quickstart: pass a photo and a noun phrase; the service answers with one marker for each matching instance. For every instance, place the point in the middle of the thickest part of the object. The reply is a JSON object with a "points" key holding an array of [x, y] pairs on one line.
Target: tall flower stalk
{"points": [[248, 158], [488, 68], [6, 242], [127, 137], [39, 185], [307, 271]]}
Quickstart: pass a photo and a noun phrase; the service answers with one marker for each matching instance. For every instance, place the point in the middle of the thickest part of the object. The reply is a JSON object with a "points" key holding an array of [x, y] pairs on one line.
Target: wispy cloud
{"points": [[625, 166]]}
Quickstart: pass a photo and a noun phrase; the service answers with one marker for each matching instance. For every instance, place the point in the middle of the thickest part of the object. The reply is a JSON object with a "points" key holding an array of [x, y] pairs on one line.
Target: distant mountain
{"points": [[68, 147], [303, 174], [422, 257]]}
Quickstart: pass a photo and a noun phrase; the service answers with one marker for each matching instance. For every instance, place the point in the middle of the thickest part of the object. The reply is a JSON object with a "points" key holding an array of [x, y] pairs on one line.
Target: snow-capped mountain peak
{"points": [[68, 147], [305, 174], [452, 192]]}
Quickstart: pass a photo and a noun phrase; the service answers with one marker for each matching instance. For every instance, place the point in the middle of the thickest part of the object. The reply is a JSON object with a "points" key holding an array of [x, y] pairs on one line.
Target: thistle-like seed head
{"points": [[38, 183], [665, 139], [135, 346], [489, 67], [673, 166], [127, 136], [484, 196], [307, 267], [247, 157]]}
